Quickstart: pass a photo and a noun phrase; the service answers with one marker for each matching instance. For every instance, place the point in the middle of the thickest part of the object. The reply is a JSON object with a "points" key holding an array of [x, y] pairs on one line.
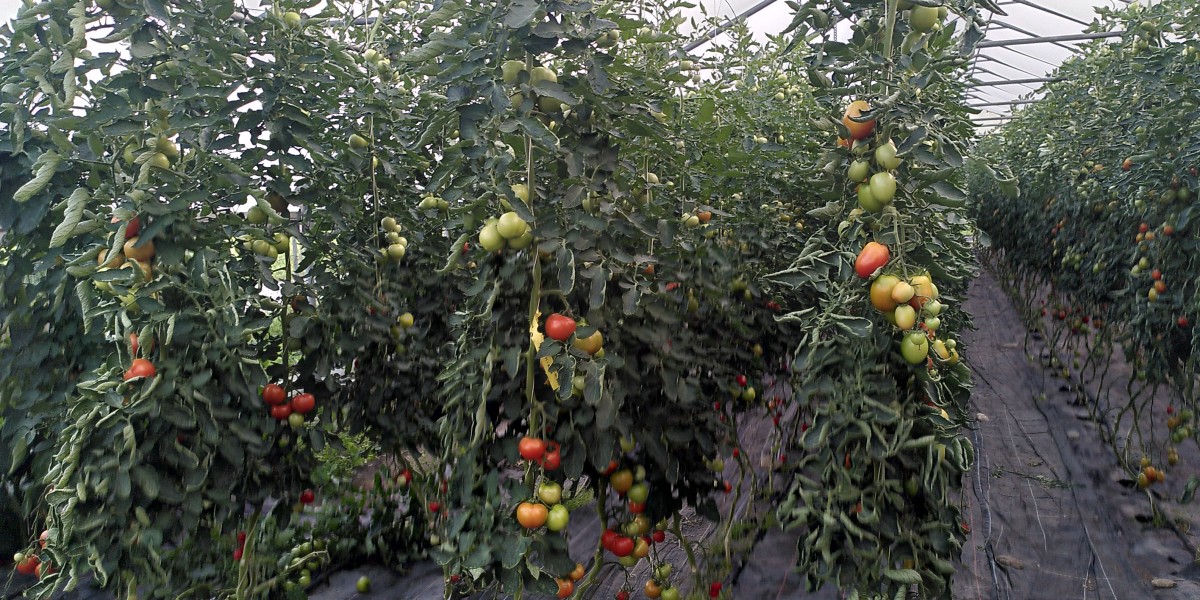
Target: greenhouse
{"points": [[599, 299]]}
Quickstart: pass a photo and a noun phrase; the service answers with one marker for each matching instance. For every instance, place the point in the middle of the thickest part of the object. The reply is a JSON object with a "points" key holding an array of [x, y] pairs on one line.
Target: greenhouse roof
{"points": [[1022, 49]]}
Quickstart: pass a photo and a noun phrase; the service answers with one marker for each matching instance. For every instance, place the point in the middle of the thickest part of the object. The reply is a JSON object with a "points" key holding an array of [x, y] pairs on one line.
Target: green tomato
{"points": [[883, 187], [550, 492], [628, 444], [511, 70], [539, 74], [638, 493], [558, 518], [885, 156], [511, 225], [363, 585], [923, 18], [628, 561], [866, 199], [915, 348], [859, 171], [490, 238], [662, 572], [671, 593], [523, 241], [296, 420]]}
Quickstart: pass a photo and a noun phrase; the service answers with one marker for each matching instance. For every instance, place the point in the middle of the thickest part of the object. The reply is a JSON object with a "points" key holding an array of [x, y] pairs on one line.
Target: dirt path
{"points": [[1051, 514]]}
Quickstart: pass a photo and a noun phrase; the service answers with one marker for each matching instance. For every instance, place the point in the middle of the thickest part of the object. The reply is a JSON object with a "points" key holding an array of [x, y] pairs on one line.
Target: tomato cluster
{"points": [[287, 409]]}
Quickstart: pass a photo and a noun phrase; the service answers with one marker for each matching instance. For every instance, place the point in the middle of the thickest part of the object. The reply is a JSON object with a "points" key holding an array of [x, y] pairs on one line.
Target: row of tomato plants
{"points": [[1095, 231], [524, 247]]}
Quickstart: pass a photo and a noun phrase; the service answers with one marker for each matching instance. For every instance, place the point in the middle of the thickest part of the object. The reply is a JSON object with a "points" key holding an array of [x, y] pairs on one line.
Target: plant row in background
{"points": [[525, 249], [1095, 235]]}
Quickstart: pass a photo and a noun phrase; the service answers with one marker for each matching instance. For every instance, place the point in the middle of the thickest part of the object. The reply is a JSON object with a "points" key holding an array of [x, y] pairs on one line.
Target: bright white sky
{"points": [[8, 8]]}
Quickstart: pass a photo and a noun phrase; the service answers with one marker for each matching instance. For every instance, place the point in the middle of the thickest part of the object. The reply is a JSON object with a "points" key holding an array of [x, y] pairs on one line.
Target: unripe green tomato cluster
{"points": [[397, 244]]}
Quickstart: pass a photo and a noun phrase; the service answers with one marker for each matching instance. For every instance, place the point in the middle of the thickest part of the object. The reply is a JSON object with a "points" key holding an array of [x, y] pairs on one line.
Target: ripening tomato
{"points": [[873, 256], [578, 572], [590, 344], [140, 367], [531, 448], [881, 292], [621, 481], [559, 327], [304, 403], [858, 130], [531, 515], [273, 394], [652, 589]]}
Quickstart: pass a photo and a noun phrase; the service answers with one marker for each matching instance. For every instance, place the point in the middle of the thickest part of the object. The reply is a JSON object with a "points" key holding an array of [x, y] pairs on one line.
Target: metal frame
{"points": [[1016, 53]]}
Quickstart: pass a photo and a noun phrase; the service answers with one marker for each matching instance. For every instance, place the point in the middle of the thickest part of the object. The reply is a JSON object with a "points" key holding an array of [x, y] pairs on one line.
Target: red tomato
{"points": [[140, 368], [658, 536], [307, 497], [637, 508], [304, 403], [531, 448], [552, 460], [559, 327], [237, 555], [273, 394], [607, 538], [873, 256], [281, 411], [29, 565], [622, 546], [133, 344]]}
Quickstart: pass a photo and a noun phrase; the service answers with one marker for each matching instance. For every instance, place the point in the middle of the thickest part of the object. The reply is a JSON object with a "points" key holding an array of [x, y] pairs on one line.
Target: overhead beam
{"points": [[711, 34], [1031, 34], [1009, 103], [1013, 82], [1077, 37]]}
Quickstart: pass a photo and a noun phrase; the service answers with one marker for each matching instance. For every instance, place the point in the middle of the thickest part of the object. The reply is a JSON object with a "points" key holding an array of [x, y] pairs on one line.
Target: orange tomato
{"points": [[566, 587], [531, 515], [858, 130]]}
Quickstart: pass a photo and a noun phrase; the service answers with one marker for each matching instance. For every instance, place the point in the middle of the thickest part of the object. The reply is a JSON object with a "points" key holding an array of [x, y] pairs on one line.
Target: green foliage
{"points": [[879, 459]]}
